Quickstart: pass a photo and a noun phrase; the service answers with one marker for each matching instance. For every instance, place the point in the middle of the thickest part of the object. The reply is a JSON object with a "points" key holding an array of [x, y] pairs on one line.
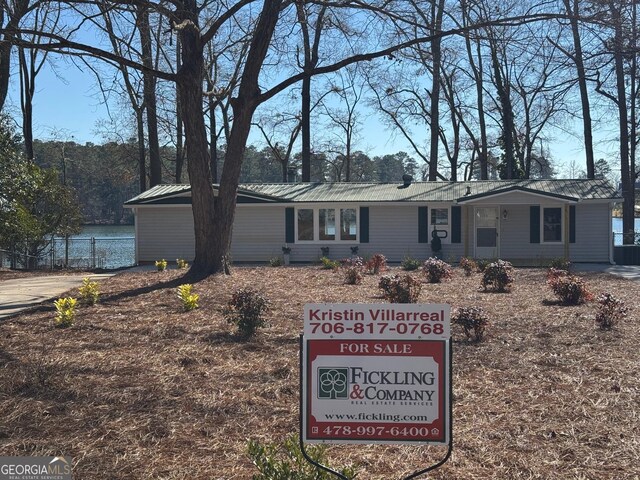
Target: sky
{"points": [[66, 107]]}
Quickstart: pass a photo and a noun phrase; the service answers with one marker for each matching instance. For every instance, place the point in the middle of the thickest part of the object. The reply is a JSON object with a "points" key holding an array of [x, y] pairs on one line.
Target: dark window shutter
{"points": [[534, 224], [290, 225], [423, 225], [456, 224], [364, 224], [572, 224]]}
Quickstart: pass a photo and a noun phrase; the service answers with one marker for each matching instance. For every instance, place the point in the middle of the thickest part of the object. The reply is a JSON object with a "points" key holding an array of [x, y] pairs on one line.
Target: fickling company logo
{"points": [[333, 383]]}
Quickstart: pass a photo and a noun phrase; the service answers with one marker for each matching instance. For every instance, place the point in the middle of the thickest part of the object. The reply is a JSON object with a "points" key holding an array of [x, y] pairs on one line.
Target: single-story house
{"points": [[524, 221]]}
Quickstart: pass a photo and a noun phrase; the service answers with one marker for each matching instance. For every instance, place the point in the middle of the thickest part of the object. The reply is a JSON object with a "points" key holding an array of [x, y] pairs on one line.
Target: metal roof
{"points": [[573, 190]]}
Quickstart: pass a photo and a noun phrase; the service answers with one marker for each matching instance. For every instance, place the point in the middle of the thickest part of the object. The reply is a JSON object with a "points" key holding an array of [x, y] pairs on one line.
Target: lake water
{"points": [[617, 229], [114, 247]]}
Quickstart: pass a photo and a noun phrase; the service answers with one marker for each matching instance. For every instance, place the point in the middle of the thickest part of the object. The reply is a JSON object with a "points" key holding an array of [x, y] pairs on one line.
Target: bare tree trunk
{"points": [[507, 115], [142, 164], [27, 90], [628, 217], [436, 52], [179, 132], [578, 59], [310, 61], [149, 92], [213, 140]]}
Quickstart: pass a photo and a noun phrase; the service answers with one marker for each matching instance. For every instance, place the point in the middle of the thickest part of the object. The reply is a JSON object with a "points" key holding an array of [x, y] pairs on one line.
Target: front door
{"points": [[486, 232]]}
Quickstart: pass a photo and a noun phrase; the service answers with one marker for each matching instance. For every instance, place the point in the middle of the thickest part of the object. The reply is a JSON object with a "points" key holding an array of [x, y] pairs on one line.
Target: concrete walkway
{"points": [[21, 293], [631, 272]]}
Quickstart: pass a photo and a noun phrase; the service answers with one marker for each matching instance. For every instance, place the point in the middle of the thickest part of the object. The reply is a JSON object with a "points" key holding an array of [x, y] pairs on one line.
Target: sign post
{"points": [[376, 373]]}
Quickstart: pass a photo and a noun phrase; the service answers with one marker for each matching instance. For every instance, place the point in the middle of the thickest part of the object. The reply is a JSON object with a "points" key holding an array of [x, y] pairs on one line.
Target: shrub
{"points": [[409, 264], [570, 289], [189, 300], [436, 270], [276, 261], [468, 265], [610, 311], [497, 276], [554, 273], [376, 264], [473, 320], [161, 265], [182, 263], [352, 271], [329, 264], [89, 292], [397, 289], [560, 264], [65, 311], [245, 309], [286, 462], [482, 264]]}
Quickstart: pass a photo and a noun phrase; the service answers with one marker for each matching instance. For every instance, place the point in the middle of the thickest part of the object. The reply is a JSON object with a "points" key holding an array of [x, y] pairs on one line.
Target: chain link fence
{"points": [[80, 253]]}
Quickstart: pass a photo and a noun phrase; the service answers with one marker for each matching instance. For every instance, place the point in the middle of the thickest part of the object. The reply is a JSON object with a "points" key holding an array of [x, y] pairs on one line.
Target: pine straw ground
{"points": [[138, 389]]}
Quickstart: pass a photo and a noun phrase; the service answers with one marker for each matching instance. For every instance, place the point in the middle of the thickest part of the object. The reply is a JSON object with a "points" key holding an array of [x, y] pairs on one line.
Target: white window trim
{"points": [[316, 223], [446, 227], [562, 232]]}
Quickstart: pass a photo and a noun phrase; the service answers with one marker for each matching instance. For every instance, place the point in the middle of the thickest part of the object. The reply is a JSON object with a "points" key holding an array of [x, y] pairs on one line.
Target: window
{"points": [[305, 224], [439, 223], [552, 224], [348, 228], [439, 216], [327, 224]]}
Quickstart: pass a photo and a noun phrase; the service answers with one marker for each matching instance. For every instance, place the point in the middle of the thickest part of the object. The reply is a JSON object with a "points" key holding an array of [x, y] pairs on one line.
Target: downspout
{"points": [[611, 249], [135, 233]]}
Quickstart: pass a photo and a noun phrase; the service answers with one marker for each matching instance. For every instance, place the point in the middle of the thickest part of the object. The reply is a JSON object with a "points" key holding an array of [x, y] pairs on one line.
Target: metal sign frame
{"points": [[448, 380]]}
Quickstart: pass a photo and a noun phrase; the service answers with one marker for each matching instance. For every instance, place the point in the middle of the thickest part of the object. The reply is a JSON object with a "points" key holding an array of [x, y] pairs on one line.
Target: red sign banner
{"points": [[364, 388]]}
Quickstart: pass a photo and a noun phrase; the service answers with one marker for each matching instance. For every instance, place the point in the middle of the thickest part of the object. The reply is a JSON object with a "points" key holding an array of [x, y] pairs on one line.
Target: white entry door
{"points": [[486, 232]]}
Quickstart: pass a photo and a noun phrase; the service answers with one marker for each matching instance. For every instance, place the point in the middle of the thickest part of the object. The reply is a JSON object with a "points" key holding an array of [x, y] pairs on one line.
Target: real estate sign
{"points": [[375, 373]]}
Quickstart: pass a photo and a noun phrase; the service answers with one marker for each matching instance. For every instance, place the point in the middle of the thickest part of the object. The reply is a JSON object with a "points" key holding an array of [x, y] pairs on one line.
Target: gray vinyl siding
{"points": [[258, 233], [164, 232], [593, 225], [592, 236]]}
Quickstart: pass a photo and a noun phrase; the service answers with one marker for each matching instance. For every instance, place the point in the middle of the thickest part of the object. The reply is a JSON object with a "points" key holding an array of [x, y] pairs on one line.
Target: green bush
{"points": [[189, 300], [286, 462], [329, 264], [497, 276], [276, 261], [65, 312], [409, 264], [245, 309], [560, 264], [436, 270], [397, 289], [89, 292], [161, 265], [482, 264], [610, 311], [571, 290], [182, 263], [473, 320], [468, 265]]}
